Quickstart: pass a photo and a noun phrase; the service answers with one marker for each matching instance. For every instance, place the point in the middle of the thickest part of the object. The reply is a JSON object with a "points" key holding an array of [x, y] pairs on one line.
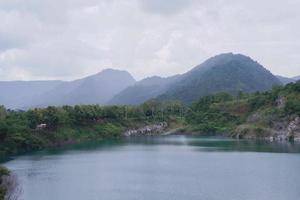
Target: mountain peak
{"points": [[226, 72], [113, 75], [110, 71]]}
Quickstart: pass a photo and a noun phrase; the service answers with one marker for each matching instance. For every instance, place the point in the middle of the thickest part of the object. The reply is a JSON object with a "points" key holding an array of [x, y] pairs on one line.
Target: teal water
{"points": [[166, 168]]}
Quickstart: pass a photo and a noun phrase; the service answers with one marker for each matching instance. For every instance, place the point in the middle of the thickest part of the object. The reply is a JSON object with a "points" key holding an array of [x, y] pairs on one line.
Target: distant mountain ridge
{"points": [[297, 78], [16, 94], [143, 90], [95, 89], [286, 80], [228, 72]]}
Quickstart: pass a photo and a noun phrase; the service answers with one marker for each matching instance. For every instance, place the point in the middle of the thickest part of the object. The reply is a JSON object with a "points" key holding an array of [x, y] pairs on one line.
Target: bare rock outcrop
{"points": [[153, 129], [286, 130], [293, 129]]}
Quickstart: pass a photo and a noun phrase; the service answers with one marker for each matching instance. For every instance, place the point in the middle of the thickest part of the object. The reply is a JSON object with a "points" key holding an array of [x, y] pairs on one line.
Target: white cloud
{"points": [[66, 39]]}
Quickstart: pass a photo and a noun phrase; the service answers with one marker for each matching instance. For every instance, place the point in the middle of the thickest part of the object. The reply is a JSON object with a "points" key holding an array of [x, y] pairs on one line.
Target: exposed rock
{"points": [[285, 130], [293, 129], [153, 129], [280, 129], [281, 102], [256, 117]]}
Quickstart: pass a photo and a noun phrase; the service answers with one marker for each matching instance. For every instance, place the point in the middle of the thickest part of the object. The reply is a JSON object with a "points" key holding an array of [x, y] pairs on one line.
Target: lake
{"points": [[162, 168]]}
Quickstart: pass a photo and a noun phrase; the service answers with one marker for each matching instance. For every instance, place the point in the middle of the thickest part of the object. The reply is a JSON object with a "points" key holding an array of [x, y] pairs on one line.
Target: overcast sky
{"points": [[67, 39]]}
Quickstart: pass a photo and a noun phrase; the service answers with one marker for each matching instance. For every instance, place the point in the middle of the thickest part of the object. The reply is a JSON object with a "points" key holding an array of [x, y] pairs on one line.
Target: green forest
{"points": [[22, 131]]}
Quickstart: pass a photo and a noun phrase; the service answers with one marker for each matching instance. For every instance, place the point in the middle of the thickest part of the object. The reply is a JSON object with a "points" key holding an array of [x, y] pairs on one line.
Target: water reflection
{"points": [[167, 167]]}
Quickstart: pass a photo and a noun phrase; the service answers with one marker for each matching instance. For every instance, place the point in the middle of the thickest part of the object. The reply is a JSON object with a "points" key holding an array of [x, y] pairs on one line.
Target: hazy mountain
{"points": [[285, 80], [17, 94], [143, 90], [95, 89], [223, 73], [297, 78]]}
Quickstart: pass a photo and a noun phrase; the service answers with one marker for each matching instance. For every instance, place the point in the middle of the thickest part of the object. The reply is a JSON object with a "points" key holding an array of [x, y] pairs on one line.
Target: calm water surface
{"points": [[163, 168]]}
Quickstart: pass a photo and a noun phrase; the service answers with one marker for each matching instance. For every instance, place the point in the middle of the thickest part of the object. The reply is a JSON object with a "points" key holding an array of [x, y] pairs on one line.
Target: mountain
{"points": [[297, 78], [286, 80], [16, 94], [95, 89], [223, 73], [143, 90]]}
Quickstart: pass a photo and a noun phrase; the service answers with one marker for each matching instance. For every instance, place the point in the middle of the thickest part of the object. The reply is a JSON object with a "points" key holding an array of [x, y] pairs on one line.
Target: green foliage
{"points": [[3, 112], [223, 113], [292, 93], [19, 130], [205, 117], [3, 172]]}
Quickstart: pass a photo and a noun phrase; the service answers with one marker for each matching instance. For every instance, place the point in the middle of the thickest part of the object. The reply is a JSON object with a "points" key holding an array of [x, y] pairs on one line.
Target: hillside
{"points": [[143, 90], [229, 73], [272, 115]]}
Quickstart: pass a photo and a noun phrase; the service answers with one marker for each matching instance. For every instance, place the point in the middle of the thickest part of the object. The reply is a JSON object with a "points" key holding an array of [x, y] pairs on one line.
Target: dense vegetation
{"points": [[19, 131], [255, 113]]}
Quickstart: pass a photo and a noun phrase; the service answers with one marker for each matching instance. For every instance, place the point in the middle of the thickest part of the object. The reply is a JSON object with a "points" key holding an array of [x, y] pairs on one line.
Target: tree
{"points": [[3, 113]]}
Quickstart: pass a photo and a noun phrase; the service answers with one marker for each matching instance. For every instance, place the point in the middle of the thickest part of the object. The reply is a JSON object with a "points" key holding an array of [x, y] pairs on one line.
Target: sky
{"points": [[69, 39]]}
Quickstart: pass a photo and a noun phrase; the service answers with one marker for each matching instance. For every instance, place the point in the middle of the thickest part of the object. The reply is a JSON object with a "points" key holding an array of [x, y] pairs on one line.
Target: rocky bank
{"points": [[153, 129]]}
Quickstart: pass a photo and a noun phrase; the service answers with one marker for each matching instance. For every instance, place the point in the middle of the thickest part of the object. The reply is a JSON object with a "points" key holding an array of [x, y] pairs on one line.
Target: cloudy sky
{"points": [[67, 39]]}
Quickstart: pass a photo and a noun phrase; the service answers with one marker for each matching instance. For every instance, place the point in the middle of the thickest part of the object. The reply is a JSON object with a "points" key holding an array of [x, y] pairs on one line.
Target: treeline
{"points": [[36, 128], [223, 113]]}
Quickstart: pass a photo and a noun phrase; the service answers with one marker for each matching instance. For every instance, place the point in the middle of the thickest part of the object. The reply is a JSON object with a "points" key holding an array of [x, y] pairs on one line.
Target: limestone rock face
{"points": [[293, 129], [281, 102], [280, 129], [153, 129], [289, 130]]}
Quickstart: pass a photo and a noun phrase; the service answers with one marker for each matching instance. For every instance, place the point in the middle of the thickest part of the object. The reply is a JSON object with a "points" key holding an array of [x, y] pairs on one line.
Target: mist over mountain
{"points": [[286, 80], [297, 78], [17, 94], [143, 90], [229, 73], [95, 89]]}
